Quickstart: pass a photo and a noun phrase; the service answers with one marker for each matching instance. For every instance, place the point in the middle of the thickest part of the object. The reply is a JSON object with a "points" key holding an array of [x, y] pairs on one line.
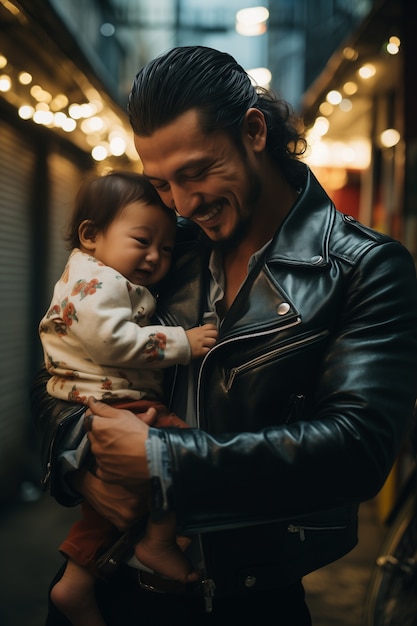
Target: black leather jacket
{"points": [[302, 403]]}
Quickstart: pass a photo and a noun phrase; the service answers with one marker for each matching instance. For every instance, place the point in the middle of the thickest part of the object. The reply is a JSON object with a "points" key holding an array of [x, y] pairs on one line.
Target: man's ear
{"points": [[254, 129], [87, 234]]}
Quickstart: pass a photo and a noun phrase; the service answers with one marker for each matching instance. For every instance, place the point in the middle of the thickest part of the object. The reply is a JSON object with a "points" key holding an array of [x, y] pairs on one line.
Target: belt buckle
{"points": [[147, 586]]}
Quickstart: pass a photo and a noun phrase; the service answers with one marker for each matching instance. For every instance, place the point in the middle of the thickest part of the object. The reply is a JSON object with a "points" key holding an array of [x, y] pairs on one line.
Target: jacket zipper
{"points": [[293, 528], [45, 479], [268, 356], [231, 341], [47, 476], [208, 585], [48, 470]]}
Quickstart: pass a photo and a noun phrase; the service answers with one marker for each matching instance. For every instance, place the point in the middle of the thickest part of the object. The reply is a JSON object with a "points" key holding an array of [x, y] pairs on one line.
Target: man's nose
{"points": [[183, 201]]}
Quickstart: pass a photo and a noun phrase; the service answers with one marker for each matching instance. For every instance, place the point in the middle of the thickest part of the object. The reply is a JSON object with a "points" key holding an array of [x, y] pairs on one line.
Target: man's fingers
{"points": [[88, 422], [96, 405], [149, 416], [101, 409]]}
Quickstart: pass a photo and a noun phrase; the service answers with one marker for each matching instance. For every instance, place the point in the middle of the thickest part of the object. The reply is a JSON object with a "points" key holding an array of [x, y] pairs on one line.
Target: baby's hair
{"points": [[100, 199]]}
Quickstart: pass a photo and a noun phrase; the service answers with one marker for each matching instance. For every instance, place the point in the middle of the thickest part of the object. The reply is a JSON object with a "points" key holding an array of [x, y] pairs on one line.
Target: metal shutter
{"points": [[17, 160], [65, 179]]}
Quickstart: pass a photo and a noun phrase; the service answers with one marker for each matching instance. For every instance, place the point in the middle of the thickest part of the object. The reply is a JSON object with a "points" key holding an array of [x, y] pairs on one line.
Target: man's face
{"points": [[204, 177]]}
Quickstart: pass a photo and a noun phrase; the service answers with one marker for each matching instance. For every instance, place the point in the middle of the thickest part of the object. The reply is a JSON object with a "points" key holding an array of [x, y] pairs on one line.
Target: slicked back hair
{"points": [[213, 83]]}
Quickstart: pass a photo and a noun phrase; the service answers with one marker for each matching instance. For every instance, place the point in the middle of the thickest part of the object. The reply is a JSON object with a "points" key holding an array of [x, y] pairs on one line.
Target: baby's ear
{"points": [[87, 233]]}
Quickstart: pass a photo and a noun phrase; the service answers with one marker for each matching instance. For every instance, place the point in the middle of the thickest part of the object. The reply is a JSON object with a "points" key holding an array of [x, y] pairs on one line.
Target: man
{"points": [[298, 412]]}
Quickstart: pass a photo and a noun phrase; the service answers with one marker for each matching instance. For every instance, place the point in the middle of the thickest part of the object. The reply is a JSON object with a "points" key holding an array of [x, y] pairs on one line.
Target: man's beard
{"points": [[246, 217], [235, 238]]}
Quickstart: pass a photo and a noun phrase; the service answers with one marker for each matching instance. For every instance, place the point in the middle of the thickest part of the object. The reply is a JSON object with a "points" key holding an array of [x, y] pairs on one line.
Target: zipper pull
{"points": [[208, 593], [297, 529], [230, 380], [45, 479], [299, 405]]}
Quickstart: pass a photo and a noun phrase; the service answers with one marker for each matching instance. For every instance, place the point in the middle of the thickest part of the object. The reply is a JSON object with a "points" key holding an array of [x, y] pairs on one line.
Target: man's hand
{"points": [[117, 439], [118, 505]]}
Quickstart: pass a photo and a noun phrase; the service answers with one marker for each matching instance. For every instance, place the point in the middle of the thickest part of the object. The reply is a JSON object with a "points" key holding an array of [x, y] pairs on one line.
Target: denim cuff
{"points": [[160, 473]]}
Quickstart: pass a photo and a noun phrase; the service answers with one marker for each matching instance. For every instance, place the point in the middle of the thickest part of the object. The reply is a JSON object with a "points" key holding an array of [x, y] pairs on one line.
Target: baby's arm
{"points": [[201, 339]]}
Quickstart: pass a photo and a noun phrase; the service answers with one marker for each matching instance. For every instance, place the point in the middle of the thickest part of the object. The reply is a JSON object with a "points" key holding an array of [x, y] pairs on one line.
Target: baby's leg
{"points": [[159, 551], [74, 596]]}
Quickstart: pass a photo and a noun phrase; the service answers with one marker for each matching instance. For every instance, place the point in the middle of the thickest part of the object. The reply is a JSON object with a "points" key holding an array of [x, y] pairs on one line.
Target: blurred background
{"points": [[66, 66]]}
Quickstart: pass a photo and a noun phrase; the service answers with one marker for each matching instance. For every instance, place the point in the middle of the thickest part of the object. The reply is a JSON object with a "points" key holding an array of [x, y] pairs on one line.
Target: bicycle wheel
{"points": [[391, 599]]}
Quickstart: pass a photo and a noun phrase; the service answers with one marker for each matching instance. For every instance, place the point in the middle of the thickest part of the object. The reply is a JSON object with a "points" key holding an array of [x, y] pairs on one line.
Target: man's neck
{"points": [[274, 206], [271, 211]]}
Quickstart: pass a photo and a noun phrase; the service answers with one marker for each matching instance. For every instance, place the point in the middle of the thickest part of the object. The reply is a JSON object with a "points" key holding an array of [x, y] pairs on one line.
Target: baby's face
{"points": [[138, 243]]}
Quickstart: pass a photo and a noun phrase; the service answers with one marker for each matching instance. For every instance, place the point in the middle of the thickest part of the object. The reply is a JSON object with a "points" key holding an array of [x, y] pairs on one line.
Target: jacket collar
{"points": [[303, 237]]}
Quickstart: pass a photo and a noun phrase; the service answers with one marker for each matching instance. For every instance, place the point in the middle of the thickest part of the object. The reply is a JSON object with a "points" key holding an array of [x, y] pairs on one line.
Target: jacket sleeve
{"points": [[342, 450]]}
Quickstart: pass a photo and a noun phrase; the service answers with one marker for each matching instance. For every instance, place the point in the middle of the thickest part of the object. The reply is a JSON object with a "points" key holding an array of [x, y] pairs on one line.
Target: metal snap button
{"points": [[283, 308], [316, 259]]}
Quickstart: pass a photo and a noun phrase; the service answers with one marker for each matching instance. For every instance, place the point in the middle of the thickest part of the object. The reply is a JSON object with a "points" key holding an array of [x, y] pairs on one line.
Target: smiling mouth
{"points": [[143, 271], [213, 211]]}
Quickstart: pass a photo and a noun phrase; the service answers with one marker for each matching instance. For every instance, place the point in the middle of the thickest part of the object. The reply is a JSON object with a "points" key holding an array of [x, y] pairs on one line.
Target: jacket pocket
{"points": [[305, 529], [271, 355]]}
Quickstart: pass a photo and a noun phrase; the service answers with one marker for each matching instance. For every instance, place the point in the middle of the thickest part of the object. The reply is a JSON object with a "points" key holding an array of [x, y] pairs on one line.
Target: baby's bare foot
{"points": [[167, 559]]}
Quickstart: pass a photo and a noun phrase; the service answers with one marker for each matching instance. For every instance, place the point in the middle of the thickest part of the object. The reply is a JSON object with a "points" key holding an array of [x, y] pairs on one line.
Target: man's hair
{"points": [[101, 198], [212, 82]]}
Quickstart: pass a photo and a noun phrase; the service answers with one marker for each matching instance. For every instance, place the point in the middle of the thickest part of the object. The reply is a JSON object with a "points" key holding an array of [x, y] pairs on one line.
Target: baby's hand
{"points": [[201, 339]]}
